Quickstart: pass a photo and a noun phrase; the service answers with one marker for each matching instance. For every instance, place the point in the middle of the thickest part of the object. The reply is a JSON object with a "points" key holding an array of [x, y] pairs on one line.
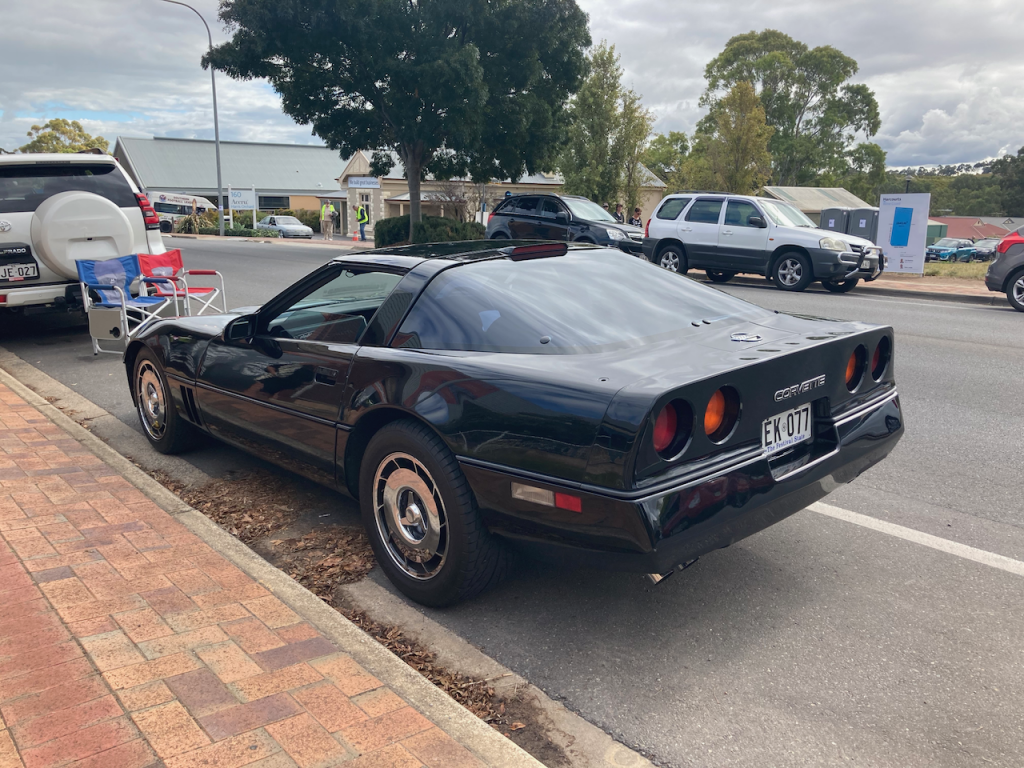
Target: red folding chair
{"points": [[166, 275]]}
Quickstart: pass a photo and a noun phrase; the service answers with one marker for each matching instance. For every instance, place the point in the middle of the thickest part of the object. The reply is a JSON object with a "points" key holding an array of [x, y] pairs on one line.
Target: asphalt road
{"points": [[817, 642]]}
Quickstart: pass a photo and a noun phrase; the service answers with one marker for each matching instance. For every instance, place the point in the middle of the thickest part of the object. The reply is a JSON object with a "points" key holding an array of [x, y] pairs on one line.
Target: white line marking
{"points": [[990, 559]]}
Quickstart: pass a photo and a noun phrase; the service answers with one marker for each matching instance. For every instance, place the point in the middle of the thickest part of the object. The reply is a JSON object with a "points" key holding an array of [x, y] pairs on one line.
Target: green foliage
{"points": [[61, 135], [449, 87], [190, 225], [815, 111], [664, 157], [238, 232], [635, 125], [733, 156], [432, 229], [1009, 174]]}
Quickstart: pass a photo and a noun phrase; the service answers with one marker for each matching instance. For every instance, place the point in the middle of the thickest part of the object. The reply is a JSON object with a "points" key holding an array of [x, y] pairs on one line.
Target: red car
{"points": [[1006, 272]]}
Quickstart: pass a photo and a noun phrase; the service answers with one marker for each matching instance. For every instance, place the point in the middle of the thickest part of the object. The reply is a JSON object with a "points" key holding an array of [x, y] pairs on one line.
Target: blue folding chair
{"points": [[114, 314]]}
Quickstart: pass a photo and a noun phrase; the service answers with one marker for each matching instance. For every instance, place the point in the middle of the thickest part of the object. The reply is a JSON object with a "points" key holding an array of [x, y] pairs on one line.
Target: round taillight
{"points": [[880, 359], [721, 414], [672, 429], [665, 428], [855, 368]]}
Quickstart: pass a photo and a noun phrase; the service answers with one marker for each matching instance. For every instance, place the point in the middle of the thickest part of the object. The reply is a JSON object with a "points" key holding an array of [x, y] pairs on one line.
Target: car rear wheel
{"points": [[499, 236], [672, 258], [792, 272], [719, 276], [422, 520], [1015, 292], [165, 429], [839, 286]]}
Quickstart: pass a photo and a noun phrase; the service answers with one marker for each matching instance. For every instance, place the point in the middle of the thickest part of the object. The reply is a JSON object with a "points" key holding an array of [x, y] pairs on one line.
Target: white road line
{"points": [[990, 559]]}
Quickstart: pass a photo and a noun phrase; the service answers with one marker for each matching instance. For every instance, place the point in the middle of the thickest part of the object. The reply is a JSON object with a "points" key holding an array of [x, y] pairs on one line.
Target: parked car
{"points": [[561, 217], [950, 249], [985, 249], [571, 401], [1006, 272], [56, 208], [729, 234], [286, 226]]}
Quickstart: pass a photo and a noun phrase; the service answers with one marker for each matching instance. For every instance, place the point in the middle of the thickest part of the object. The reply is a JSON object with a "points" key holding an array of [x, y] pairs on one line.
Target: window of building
{"points": [[273, 202]]}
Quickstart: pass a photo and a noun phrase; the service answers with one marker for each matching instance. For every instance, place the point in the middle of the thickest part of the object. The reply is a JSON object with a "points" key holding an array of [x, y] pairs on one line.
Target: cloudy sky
{"points": [[948, 75]]}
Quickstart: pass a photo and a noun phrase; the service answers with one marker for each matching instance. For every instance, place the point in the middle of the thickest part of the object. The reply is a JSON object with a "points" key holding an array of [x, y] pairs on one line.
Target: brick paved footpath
{"points": [[126, 641]]}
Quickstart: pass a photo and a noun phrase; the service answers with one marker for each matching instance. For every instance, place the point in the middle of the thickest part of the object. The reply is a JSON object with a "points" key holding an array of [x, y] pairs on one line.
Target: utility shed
{"points": [[813, 200]]}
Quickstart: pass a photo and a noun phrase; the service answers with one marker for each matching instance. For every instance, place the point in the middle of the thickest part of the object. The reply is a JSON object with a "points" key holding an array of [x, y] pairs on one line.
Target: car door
{"points": [[278, 392], [699, 232], [524, 222], [742, 246], [553, 220]]}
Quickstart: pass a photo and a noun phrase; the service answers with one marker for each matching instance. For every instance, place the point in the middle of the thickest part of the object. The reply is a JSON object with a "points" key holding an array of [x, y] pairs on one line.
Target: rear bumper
{"points": [[649, 246], [655, 533], [35, 295]]}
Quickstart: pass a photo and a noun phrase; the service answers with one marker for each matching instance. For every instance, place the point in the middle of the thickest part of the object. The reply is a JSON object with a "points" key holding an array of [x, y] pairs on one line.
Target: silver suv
{"points": [[56, 208], [728, 234]]}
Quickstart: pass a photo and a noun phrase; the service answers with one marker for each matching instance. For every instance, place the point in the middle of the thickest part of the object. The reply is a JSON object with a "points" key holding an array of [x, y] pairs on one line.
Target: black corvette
{"points": [[574, 402]]}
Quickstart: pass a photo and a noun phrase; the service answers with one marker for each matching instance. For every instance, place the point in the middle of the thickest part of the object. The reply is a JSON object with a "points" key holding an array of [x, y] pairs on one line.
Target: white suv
{"points": [[56, 208], [728, 234]]}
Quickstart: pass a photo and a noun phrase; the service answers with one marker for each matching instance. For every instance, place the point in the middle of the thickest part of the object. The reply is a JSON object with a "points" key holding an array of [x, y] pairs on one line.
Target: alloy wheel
{"points": [[149, 398], [790, 271], [410, 516], [669, 260], [1018, 291]]}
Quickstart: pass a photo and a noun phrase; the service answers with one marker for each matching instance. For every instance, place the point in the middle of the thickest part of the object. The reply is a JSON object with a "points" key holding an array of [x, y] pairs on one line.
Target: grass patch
{"points": [[973, 271]]}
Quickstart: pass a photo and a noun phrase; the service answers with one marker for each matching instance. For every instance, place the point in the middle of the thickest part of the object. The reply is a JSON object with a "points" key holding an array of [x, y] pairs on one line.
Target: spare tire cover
{"points": [[79, 225]]}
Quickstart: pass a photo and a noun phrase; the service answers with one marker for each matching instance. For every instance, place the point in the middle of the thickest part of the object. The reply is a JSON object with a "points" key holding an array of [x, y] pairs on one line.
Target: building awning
{"points": [[816, 199]]}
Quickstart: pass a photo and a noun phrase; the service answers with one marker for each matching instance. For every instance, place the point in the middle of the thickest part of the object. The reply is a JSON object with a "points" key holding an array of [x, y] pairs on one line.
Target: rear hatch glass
{"points": [[23, 188]]}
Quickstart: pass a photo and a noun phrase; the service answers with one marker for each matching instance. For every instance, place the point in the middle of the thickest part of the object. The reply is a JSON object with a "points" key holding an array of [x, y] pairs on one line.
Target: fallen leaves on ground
{"points": [[324, 558]]}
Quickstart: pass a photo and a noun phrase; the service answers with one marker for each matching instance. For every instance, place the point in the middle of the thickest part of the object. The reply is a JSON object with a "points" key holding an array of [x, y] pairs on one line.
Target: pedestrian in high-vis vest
{"points": [[327, 220], [363, 218]]}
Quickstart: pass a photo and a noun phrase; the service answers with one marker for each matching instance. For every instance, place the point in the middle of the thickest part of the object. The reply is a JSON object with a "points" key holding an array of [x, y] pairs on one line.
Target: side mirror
{"points": [[756, 221], [241, 328], [562, 217]]}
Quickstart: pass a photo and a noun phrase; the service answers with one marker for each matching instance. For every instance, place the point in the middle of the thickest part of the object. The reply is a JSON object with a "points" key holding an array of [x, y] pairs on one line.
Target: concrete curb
{"points": [[489, 745], [995, 299], [277, 241]]}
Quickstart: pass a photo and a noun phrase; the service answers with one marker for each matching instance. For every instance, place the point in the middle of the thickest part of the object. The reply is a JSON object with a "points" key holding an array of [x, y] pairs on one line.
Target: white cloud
{"points": [[948, 74]]}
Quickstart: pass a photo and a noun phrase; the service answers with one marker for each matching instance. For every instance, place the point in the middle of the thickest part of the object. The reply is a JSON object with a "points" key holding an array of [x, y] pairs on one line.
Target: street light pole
{"points": [[216, 123], [909, 177]]}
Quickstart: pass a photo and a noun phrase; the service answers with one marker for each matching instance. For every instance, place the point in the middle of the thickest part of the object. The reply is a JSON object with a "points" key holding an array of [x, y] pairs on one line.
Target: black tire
{"points": [[499, 236], [839, 286], [673, 258], [586, 240], [719, 275], [467, 559], [1015, 291], [161, 423], [792, 271]]}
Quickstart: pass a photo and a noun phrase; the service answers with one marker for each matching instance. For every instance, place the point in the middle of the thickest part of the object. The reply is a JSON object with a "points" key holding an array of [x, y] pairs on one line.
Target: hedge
{"points": [[238, 232], [432, 229], [243, 219]]}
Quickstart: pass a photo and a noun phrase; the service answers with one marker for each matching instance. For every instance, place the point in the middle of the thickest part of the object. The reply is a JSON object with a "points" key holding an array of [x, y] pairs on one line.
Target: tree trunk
{"points": [[413, 168]]}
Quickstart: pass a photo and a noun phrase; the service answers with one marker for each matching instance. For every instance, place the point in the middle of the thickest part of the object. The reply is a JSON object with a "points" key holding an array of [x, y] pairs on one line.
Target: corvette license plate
{"points": [[14, 272], [786, 429]]}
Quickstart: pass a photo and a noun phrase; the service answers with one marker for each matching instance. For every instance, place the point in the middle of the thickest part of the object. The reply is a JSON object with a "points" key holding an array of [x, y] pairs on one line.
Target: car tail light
{"points": [[721, 414], [547, 498], [148, 213], [647, 229], [855, 368], [3, 299], [672, 428], [880, 359], [490, 216]]}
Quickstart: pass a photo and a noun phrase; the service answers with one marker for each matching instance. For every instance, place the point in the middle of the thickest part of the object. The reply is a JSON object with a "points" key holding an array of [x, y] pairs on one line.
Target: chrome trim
{"points": [[808, 465], [863, 409]]}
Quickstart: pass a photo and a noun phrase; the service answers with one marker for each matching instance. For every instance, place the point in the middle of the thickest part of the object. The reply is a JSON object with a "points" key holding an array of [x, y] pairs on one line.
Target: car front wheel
{"points": [[719, 276], [792, 272], [165, 429], [422, 520], [839, 286], [1015, 292]]}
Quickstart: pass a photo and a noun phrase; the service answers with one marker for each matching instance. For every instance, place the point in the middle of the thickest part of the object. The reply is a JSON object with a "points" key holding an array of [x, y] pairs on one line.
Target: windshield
{"points": [[783, 215], [527, 307], [946, 242], [987, 242], [585, 209], [290, 220]]}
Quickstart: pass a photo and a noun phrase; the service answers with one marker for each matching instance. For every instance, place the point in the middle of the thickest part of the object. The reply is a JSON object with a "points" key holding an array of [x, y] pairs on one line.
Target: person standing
{"points": [[363, 218], [637, 220], [619, 217], [327, 220]]}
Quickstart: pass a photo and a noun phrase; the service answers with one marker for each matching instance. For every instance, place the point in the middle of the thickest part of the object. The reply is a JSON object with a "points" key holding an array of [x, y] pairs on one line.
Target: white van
{"points": [[171, 207], [56, 208]]}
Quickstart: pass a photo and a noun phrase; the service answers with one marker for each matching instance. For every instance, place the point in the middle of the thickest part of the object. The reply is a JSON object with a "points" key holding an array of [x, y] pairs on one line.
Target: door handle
{"points": [[686, 229], [327, 376], [727, 232]]}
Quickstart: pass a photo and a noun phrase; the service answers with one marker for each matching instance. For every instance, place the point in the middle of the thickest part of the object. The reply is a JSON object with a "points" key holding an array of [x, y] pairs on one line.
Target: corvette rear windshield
{"points": [[585, 302], [24, 187]]}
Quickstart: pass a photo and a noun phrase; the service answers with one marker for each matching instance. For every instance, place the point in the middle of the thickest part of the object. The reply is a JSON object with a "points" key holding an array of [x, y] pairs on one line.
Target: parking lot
{"points": [[831, 638]]}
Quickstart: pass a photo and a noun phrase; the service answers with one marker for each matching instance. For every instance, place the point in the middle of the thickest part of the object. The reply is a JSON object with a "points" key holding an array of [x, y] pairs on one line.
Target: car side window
{"points": [[738, 213], [549, 209], [672, 208], [273, 222], [336, 310], [527, 205], [705, 210]]}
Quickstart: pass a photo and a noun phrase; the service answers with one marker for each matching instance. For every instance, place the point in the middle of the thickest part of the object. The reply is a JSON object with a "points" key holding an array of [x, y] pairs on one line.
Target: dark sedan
{"points": [[570, 401]]}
